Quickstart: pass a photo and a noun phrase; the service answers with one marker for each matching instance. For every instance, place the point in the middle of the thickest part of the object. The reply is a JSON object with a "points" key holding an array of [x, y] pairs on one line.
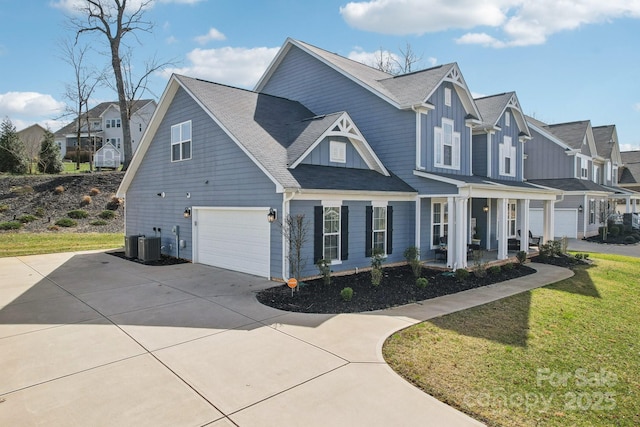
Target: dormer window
{"points": [[447, 97], [507, 157], [337, 152], [447, 145], [507, 119]]}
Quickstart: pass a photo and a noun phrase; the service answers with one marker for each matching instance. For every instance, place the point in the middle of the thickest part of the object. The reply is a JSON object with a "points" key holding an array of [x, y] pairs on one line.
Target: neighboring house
{"points": [[31, 138], [372, 161], [629, 176], [565, 157], [108, 156], [105, 127]]}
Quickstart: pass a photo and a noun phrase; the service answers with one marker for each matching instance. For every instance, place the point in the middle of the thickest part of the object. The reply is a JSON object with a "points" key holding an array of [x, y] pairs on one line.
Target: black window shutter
{"points": [[389, 230], [318, 225], [368, 238], [344, 233]]}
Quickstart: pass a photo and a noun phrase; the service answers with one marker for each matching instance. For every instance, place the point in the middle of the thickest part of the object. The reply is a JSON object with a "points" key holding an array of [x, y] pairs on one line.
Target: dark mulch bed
{"points": [[613, 240], [164, 259], [398, 287], [561, 260]]}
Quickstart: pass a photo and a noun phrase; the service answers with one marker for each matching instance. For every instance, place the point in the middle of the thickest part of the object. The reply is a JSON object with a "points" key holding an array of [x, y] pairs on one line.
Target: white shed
{"points": [[108, 156]]}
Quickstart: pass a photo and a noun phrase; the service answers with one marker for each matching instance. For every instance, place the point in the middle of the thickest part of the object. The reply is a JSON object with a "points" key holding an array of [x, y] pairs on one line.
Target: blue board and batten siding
{"points": [[320, 155], [480, 155], [402, 233], [546, 159], [218, 174], [497, 139]]}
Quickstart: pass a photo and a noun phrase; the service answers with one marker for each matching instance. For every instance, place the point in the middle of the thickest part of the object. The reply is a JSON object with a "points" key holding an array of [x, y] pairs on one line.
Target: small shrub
{"points": [[422, 282], [521, 256], [494, 270], [585, 256], [25, 189], [4, 208], [94, 191], [66, 222], [86, 200], [550, 249], [508, 267], [10, 225], [53, 228], [107, 214], [629, 240], [376, 267], [462, 274], [479, 266], [324, 266], [114, 203], [579, 256], [412, 255], [346, 294], [614, 231], [77, 214], [98, 222], [59, 189], [27, 218], [40, 212]]}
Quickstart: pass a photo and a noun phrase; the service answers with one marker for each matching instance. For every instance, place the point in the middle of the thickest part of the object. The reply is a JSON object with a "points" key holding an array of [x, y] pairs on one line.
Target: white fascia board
{"points": [[551, 137], [147, 136], [392, 196]]}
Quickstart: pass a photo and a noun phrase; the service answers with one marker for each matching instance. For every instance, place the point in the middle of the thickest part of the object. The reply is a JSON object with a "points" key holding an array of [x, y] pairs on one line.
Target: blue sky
{"points": [[567, 61]]}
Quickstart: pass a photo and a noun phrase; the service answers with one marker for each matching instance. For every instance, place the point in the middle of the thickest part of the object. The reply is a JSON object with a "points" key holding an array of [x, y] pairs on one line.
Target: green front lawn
{"points": [[16, 244], [565, 354]]}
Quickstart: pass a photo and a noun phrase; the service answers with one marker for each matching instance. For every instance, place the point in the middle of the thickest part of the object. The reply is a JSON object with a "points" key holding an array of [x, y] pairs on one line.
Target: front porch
{"points": [[487, 258]]}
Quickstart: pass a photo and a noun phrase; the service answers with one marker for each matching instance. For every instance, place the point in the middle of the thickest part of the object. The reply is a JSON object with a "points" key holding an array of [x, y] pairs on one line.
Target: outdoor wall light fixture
{"points": [[272, 215], [187, 212], [161, 194], [580, 209], [485, 208]]}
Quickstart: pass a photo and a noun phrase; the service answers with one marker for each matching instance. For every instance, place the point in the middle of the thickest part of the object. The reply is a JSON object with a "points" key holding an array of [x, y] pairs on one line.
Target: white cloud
{"points": [[29, 104], [371, 58], [432, 61], [213, 34], [515, 22], [234, 66], [421, 16]]}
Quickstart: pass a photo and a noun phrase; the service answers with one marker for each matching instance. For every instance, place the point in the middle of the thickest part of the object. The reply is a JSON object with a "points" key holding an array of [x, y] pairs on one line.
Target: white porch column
{"points": [[461, 237], [628, 204], [417, 221], [487, 237], [547, 221], [523, 208], [451, 232], [501, 230]]}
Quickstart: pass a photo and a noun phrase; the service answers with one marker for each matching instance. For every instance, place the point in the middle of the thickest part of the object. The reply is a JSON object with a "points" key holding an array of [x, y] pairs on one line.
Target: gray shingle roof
{"points": [[571, 184], [572, 133], [630, 173], [405, 90], [603, 136], [332, 178], [475, 179], [492, 107], [274, 130]]}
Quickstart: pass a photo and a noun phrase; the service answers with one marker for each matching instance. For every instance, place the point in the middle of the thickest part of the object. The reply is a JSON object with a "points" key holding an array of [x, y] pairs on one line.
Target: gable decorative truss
{"points": [[455, 77], [344, 127], [514, 104]]}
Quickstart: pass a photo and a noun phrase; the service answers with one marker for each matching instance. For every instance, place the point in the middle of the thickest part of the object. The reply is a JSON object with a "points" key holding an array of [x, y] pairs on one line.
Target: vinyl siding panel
{"points": [[389, 131], [480, 155], [497, 139], [218, 174], [320, 155], [403, 220], [546, 159]]}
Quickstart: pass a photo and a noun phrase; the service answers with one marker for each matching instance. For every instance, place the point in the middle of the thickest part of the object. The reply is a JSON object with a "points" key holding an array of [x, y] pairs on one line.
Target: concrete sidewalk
{"points": [[90, 339]]}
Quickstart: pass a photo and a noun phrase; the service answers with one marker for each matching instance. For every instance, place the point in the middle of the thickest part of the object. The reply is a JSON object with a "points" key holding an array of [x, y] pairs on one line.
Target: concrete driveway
{"points": [[586, 246], [91, 339]]}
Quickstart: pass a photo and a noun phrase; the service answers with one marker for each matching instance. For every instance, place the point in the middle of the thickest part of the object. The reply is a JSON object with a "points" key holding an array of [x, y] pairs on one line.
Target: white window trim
{"points": [[506, 150], [438, 147], [514, 220], [584, 168], [596, 174], [339, 254], [382, 230], [507, 119], [181, 141], [337, 151], [442, 223], [447, 97]]}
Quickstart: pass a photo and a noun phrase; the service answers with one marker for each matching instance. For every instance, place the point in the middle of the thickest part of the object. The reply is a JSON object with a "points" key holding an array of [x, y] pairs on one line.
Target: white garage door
{"points": [[233, 238], [565, 222]]}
